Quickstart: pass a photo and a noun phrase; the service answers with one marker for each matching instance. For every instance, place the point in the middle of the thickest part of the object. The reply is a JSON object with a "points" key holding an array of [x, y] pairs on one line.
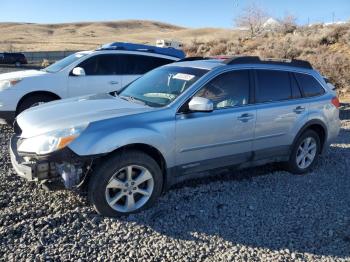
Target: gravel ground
{"points": [[255, 214]]}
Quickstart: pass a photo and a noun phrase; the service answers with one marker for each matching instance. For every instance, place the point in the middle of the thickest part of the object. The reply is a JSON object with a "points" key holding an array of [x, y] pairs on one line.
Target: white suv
{"points": [[104, 70]]}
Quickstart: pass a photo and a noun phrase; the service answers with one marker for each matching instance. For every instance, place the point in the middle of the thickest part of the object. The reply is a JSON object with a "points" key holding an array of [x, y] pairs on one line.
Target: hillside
{"points": [[79, 36], [326, 47]]}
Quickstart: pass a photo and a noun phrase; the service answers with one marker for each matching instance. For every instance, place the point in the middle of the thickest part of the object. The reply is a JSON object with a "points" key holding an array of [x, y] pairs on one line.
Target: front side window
{"points": [[140, 64], [228, 90], [61, 64], [100, 65], [161, 86], [273, 86], [309, 85]]}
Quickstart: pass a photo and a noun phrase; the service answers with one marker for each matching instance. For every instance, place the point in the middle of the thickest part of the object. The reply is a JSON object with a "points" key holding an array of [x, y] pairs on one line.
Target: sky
{"points": [[188, 13]]}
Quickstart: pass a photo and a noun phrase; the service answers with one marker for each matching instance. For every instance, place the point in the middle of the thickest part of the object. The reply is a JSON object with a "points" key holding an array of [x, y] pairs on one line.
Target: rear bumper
{"points": [[7, 117]]}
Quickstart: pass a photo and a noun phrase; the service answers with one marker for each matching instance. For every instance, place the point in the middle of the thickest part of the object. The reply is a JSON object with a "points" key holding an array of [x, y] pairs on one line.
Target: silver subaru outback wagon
{"points": [[174, 122]]}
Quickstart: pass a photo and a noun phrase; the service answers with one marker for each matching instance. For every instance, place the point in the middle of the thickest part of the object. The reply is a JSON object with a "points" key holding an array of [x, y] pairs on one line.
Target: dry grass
{"points": [[83, 36], [327, 48]]}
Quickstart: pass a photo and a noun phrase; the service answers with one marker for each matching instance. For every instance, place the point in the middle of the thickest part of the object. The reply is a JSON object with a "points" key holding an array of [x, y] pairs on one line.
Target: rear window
{"points": [[273, 85], [309, 85]]}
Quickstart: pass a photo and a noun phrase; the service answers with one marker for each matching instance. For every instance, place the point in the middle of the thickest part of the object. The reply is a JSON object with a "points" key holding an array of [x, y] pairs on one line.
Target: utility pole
{"points": [[333, 17]]}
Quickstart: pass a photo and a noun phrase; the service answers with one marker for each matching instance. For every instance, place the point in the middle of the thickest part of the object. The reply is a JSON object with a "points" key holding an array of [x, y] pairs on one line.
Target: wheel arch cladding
{"points": [[36, 93], [149, 150], [316, 125]]}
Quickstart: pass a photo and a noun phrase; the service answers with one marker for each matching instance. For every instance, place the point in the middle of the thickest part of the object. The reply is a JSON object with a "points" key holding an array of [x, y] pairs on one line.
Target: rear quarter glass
{"points": [[309, 85]]}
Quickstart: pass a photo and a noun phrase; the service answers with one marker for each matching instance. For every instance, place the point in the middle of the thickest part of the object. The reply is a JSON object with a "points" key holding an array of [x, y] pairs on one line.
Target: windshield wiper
{"points": [[133, 100]]}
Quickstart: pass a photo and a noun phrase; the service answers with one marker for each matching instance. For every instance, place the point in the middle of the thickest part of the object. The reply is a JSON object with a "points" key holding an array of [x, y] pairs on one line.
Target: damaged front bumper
{"points": [[61, 166]]}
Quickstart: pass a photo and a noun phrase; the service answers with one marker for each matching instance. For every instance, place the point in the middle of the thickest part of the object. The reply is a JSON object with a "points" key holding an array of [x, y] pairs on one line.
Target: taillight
{"points": [[335, 102]]}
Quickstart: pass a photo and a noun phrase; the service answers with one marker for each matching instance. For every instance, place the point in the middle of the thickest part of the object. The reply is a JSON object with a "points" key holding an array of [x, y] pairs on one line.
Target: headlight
{"points": [[50, 142], [6, 84]]}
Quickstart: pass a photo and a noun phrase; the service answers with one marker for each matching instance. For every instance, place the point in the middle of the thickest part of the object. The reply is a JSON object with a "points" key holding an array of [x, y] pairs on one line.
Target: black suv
{"points": [[17, 59]]}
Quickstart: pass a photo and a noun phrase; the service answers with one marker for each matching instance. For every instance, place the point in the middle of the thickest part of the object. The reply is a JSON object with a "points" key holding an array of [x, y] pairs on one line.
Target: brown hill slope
{"points": [[79, 36]]}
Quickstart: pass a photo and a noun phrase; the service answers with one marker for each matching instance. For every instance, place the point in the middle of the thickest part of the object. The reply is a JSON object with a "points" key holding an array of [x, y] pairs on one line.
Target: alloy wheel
{"points": [[306, 152], [129, 188]]}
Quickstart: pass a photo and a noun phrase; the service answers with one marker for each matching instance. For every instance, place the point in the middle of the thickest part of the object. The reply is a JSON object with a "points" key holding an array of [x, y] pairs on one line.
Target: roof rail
{"points": [[143, 48], [269, 61], [193, 58], [196, 58]]}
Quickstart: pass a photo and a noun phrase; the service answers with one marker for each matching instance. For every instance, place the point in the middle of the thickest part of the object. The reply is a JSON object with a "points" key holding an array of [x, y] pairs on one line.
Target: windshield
{"points": [[59, 65], [161, 86]]}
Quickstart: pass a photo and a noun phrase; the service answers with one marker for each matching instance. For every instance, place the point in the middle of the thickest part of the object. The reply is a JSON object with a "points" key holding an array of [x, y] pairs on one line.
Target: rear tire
{"points": [[113, 193], [305, 153], [34, 100]]}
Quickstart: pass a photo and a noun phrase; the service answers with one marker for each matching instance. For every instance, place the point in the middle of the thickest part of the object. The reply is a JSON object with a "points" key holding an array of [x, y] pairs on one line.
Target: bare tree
{"points": [[253, 18], [288, 23]]}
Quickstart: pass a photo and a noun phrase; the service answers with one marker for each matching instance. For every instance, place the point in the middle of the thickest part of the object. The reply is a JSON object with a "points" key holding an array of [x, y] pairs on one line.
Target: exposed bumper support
{"points": [[62, 166], [32, 171]]}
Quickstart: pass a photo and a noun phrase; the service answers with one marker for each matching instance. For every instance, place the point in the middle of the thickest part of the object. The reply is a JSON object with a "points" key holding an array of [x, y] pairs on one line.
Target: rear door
{"points": [[133, 66], [281, 111], [2, 58], [102, 76], [222, 137]]}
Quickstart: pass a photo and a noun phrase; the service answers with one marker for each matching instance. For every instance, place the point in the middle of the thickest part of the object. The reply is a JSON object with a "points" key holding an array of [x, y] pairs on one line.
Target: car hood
{"points": [[74, 112], [21, 74]]}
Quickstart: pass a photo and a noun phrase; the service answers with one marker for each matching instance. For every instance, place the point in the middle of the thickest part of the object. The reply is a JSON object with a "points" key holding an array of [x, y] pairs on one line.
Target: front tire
{"points": [[34, 100], [305, 153], [125, 183]]}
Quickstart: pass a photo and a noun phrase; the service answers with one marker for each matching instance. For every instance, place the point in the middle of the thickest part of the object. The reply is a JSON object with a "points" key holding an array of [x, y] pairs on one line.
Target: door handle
{"points": [[299, 109], [245, 117], [113, 82]]}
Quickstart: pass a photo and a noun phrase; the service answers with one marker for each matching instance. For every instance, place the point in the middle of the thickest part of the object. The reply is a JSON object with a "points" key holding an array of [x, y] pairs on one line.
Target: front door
{"points": [[101, 76], [220, 138]]}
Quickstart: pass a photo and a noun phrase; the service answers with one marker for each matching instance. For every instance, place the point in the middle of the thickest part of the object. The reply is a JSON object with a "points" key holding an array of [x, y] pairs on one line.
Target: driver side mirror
{"points": [[78, 71], [201, 104]]}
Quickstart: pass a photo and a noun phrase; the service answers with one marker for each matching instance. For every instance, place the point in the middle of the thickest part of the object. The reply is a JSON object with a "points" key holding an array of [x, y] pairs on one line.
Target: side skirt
{"points": [[196, 170]]}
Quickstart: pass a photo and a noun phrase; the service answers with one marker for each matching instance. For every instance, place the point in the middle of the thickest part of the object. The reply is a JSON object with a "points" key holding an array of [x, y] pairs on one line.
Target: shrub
{"points": [[327, 48], [45, 63]]}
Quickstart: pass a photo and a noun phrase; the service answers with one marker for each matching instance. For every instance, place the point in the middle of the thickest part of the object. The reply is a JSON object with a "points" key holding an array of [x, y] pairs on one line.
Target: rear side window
{"points": [[296, 93], [273, 85], [140, 64], [309, 85]]}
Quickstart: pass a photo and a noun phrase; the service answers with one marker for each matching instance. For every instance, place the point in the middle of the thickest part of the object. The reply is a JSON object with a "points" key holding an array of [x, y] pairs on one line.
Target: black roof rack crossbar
{"points": [[270, 61], [193, 58]]}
